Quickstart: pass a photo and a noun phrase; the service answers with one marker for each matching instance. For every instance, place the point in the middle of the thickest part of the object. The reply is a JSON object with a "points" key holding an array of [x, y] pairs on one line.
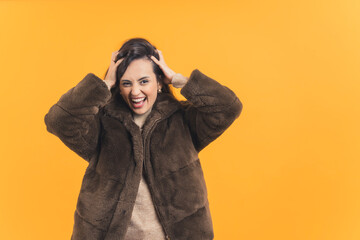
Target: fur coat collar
{"points": [[164, 105]]}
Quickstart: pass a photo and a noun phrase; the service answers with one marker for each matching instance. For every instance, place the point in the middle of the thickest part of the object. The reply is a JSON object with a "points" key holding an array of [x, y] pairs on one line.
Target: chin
{"points": [[140, 110]]}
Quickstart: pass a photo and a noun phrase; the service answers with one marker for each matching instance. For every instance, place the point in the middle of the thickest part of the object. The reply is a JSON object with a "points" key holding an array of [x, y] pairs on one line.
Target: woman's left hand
{"points": [[166, 70]]}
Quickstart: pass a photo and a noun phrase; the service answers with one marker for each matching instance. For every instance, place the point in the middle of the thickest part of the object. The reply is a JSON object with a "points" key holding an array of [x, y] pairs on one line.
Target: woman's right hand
{"points": [[110, 78]]}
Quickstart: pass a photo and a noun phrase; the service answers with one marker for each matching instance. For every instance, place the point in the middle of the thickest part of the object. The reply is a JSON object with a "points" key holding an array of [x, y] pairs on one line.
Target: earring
{"points": [[159, 90]]}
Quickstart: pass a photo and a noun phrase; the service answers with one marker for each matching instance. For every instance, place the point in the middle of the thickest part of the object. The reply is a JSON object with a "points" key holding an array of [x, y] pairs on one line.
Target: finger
{"points": [[157, 62], [114, 54], [160, 55], [119, 61], [115, 64], [154, 59]]}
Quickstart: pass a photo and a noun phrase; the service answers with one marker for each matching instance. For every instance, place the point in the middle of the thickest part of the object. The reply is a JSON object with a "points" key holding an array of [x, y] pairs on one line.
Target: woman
{"points": [[144, 179]]}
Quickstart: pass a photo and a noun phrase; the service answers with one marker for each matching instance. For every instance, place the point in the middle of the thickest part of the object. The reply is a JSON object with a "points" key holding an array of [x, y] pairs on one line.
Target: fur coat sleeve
{"points": [[75, 117], [210, 108]]}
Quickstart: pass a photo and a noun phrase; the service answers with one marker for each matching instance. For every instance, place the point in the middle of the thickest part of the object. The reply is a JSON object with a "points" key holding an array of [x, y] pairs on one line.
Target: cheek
{"points": [[123, 91], [153, 95], [124, 95]]}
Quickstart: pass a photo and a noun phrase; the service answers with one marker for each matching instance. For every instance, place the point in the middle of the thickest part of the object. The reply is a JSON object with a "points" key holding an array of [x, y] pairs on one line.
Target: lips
{"points": [[138, 102]]}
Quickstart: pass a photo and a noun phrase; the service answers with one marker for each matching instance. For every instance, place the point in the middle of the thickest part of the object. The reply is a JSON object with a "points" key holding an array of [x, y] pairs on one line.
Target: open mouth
{"points": [[138, 102]]}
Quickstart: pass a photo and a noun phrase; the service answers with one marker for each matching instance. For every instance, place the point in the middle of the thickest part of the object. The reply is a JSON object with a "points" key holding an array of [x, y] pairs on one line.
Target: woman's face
{"points": [[138, 86]]}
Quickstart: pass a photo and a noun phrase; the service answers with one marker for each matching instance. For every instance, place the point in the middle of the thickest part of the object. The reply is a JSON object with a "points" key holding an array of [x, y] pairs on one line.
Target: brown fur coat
{"points": [[100, 129]]}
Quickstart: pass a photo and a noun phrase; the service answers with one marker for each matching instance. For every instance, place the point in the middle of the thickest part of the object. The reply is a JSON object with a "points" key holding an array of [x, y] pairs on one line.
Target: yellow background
{"points": [[288, 168]]}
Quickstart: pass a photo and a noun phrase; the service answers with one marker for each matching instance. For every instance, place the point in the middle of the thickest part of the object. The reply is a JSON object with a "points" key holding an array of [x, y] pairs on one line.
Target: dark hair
{"points": [[137, 48]]}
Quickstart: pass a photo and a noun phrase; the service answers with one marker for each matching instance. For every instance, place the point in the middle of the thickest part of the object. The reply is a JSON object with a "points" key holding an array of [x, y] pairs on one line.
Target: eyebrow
{"points": [[138, 79]]}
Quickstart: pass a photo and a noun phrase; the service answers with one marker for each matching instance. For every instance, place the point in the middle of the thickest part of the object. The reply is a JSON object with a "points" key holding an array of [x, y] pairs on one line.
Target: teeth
{"points": [[138, 100]]}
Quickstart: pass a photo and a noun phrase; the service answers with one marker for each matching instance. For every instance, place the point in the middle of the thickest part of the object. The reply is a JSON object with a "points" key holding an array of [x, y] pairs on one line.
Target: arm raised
{"points": [[75, 117], [210, 108]]}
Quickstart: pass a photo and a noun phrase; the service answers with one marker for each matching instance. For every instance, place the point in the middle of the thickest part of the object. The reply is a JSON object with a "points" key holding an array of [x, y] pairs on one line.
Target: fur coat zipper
{"points": [[99, 128]]}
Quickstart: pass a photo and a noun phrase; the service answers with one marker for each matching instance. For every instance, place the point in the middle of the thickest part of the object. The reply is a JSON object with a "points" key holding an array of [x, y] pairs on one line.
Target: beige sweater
{"points": [[144, 223]]}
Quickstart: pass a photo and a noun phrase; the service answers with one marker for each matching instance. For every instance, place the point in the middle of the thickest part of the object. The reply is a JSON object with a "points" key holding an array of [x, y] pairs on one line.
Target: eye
{"points": [[125, 84], [144, 81]]}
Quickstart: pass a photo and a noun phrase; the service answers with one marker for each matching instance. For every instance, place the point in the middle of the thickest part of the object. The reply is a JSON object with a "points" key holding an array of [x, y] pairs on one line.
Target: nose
{"points": [[135, 90]]}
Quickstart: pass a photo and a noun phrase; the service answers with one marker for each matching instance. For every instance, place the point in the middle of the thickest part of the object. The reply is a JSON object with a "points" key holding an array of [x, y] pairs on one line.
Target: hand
{"points": [[110, 78], [166, 70]]}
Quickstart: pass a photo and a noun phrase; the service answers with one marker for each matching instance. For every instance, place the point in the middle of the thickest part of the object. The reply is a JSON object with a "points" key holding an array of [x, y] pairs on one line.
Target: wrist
{"points": [[108, 83], [178, 80]]}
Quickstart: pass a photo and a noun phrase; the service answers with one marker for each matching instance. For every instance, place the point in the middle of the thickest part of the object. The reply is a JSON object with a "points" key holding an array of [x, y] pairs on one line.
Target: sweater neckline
{"points": [[140, 119]]}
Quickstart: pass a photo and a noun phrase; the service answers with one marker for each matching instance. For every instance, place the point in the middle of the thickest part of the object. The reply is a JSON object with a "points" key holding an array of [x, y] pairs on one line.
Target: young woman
{"points": [[144, 179]]}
